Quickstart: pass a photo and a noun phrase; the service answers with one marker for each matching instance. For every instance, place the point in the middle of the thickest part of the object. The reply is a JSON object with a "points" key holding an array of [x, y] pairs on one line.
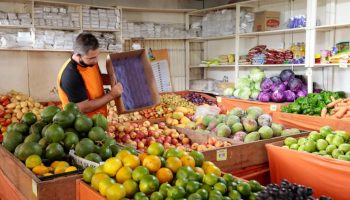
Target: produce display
{"points": [[52, 137], [285, 87], [339, 109], [326, 142], [244, 125], [247, 87], [313, 103], [166, 174], [13, 105], [198, 99], [142, 135], [174, 100], [113, 116], [287, 190]]}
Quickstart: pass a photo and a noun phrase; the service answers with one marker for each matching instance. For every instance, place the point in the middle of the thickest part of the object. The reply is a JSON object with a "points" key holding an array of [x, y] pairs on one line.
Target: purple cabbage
{"points": [[287, 75], [266, 85], [295, 84], [264, 96], [281, 87], [276, 80], [277, 96], [289, 95], [301, 93]]}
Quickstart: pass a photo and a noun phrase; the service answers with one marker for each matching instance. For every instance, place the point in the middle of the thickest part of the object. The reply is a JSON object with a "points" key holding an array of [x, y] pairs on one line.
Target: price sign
{"points": [[221, 154], [273, 107], [343, 65], [218, 99]]}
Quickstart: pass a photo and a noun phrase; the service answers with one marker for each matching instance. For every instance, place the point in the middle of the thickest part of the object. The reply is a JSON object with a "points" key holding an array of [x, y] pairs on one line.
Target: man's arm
{"points": [[92, 105]]}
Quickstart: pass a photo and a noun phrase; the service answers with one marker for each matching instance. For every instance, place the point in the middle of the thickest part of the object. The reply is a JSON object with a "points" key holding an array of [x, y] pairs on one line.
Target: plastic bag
{"points": [[204, 110]]}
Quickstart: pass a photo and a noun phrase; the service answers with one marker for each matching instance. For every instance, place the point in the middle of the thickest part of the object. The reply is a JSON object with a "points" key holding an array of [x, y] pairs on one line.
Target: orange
{"points": [[142, 156], [48, 174], [199, 170], [115, 192], [40, 170], [121, 154], [155, 149], [164, 175], [62, 163], [173, 163], [131, 187], [111, 166], [152, 163], [139, 172], [123, 174], [54, 164], [213, 169], [104, 184], [33, 161], [188, 161], [97, 178], [206, 164], [131, 161], [60, 169]]}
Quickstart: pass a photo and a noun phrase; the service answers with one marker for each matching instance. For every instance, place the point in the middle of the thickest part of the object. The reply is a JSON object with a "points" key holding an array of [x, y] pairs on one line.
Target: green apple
{"points": [[321, 144]]}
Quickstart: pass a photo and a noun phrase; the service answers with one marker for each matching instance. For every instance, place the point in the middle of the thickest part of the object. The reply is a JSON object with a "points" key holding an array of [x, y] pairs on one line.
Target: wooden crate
{"points": [[61, 188], [85, 192], [240, 156]]}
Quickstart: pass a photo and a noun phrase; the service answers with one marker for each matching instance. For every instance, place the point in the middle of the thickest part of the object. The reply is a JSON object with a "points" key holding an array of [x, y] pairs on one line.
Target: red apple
{"points": [[167, 139], [167, 145], [159, 140], [139, 135], [121, 128], [140, 145], [161, 125], [133, 135], [194, 146], [111, 129], [156, 134], [174, 141], [126, 137], [144, 140]]}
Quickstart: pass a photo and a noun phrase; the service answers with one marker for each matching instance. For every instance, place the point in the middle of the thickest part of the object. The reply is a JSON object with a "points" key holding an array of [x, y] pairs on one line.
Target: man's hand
{"points": [[116, 90]]}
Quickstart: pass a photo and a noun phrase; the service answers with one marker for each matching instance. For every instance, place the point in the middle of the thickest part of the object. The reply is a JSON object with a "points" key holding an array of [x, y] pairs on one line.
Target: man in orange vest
{"points": [[80, 80]]}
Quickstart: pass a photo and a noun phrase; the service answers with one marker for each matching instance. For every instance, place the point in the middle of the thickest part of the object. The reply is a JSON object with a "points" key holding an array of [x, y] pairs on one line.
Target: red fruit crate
{"points": [[260, 173]]}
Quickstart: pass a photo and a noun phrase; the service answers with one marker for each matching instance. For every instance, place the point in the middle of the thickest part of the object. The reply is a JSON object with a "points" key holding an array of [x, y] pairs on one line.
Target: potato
{"points": [[11, 105], [37, 105], [18, 107], [19, 115], [25, 110], [14, 119], [18, 97], [24, 104]]}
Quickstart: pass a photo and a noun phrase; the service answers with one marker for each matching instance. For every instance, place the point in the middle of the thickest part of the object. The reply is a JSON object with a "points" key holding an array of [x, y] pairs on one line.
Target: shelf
{"points": [[274, 65], [58, 28], [223, 37], [227, 6], [57, 3], [331, 27], [332, 65], [47, 50], [135, 9], [213, 66], [274, 32], [203, 91], [155, 38], [101, 30], [14, 26]]}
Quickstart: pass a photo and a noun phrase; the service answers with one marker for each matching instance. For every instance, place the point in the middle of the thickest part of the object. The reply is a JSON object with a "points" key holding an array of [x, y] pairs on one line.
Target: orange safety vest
{"points": [[93, 84]]}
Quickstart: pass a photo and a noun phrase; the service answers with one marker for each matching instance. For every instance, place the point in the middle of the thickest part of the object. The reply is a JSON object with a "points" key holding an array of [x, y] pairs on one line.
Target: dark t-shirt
{"points": [[72, 83]]}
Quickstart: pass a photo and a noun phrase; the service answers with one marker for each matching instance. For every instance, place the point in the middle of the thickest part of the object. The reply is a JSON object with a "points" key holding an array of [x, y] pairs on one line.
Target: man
{"points": [[80, 80]]}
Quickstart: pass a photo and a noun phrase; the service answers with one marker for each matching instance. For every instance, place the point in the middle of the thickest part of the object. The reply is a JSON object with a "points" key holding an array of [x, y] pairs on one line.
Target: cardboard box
{"points": [[133, 70], [267, 21]]}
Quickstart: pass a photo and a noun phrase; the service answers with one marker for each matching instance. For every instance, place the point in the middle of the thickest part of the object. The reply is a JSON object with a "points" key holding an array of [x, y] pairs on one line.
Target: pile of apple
{"points": [[114, 118], [141, 135], [157, 111], [212, 143]]}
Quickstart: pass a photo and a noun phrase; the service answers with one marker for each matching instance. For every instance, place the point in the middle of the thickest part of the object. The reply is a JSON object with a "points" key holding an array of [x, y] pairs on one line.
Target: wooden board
{"points": [[85, 192], [62, 188], [240, 156]]}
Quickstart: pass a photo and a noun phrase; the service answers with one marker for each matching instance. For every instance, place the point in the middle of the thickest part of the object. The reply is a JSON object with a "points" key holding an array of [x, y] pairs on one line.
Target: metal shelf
{"points": [[331, 27], [227, 6], [134, 9], [155, 38], [58, 28], [101, 30], [274, 32], [213, 66], [331, 65], [14, 26]]}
